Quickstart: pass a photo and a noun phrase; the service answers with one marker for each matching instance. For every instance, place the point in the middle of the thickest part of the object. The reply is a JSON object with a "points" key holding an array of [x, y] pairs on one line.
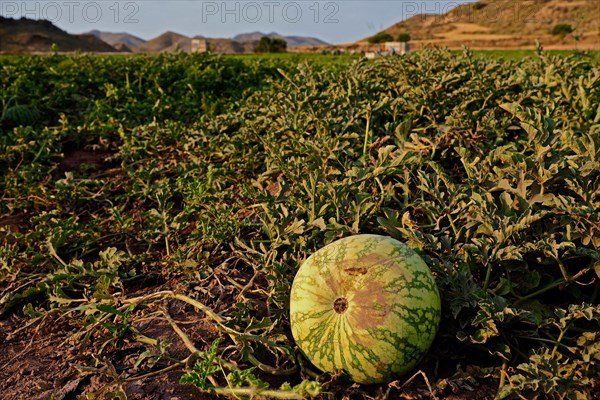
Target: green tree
{"points": [[271, 45], [562, 30], [403, 37], [264, 45], [278, 45], [381, 37]]}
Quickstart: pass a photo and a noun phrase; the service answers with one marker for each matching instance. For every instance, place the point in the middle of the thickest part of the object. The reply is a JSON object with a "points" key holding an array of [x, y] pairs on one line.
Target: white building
{"points": [[396, 48], [199, 46]]}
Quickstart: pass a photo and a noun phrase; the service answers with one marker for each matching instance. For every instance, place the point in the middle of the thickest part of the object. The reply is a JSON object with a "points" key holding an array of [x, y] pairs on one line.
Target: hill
{"points": [[29, 36], [297, 41], [292, 41], [167, 42], [229, 46], [170, 42], [507, 23], [119, 39]]}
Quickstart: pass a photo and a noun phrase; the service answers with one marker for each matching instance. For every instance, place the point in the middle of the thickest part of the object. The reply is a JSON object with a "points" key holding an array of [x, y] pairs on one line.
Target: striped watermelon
{"points": [[366, 305]]}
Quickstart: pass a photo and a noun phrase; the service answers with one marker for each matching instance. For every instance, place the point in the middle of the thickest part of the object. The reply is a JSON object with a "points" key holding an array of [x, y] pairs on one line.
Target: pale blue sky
{"points": [[333, 21]]}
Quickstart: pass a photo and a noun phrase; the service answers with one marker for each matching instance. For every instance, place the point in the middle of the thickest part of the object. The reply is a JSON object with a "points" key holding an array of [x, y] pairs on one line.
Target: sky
{"points": [[338, 21]]}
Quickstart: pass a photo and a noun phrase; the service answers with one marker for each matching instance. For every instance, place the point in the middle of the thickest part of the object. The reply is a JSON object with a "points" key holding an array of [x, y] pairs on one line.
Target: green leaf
{"points": [[503, 288], [205, 366], [109, 309]]}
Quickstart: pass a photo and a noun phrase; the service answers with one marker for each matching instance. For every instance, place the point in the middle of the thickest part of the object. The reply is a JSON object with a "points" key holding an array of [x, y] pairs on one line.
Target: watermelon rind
{"points": [[365, 305]]}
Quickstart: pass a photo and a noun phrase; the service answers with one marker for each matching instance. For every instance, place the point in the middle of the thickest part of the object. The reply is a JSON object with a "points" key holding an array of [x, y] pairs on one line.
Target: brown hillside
{"points": [[122, 47], [228, 46], [117, 39], [292, 41], [508, 23], [167, 42], [170, 42], [28, 36]]}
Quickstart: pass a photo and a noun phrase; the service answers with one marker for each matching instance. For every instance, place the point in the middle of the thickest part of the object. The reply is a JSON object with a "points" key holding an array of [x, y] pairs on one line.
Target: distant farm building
{"points": [[396, 48], [199, 46], [387, 49]]}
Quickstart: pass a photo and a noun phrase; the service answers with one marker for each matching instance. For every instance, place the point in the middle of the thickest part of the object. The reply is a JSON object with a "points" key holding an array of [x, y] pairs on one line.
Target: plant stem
{"points": [[539, 339], [139, 337], [420, 372], [186, 340], [269, 369], [503, 375], [541, 291], [551, 286], [367, 134], [169, 294], [156, 373], [252, 392], [488, 275], [562, 333], [595, 293]]}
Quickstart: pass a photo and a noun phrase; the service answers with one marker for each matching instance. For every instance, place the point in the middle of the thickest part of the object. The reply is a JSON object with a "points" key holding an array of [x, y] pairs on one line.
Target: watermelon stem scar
{"points": [[340, 305]]}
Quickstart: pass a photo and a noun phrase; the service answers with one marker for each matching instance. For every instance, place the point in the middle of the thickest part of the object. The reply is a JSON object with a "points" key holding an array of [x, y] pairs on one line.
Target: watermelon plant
{"points": [[366, 305], [192, 187]]}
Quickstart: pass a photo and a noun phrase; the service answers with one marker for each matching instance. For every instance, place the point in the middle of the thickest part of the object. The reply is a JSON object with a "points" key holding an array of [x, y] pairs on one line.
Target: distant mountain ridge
{"points": [[292, 41], [167, 42], [30, 36], [242, 43], [121, 38], [170, 41], [27, 36]]}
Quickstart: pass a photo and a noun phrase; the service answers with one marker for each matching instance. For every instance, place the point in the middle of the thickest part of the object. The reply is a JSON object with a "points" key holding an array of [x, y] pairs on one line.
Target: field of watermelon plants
{"points": [[155, 209]]}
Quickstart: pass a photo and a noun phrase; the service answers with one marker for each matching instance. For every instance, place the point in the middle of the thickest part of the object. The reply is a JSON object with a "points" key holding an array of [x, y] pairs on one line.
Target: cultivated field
{"points": [[154, 211]]}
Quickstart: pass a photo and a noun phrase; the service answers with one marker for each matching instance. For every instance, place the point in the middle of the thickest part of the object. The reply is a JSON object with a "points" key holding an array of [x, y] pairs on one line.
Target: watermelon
{"points": [[366, 306]]}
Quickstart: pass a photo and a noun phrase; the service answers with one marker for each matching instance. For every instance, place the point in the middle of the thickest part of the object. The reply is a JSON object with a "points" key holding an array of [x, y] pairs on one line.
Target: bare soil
{"points": [[41, 363], [44, 362]]}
